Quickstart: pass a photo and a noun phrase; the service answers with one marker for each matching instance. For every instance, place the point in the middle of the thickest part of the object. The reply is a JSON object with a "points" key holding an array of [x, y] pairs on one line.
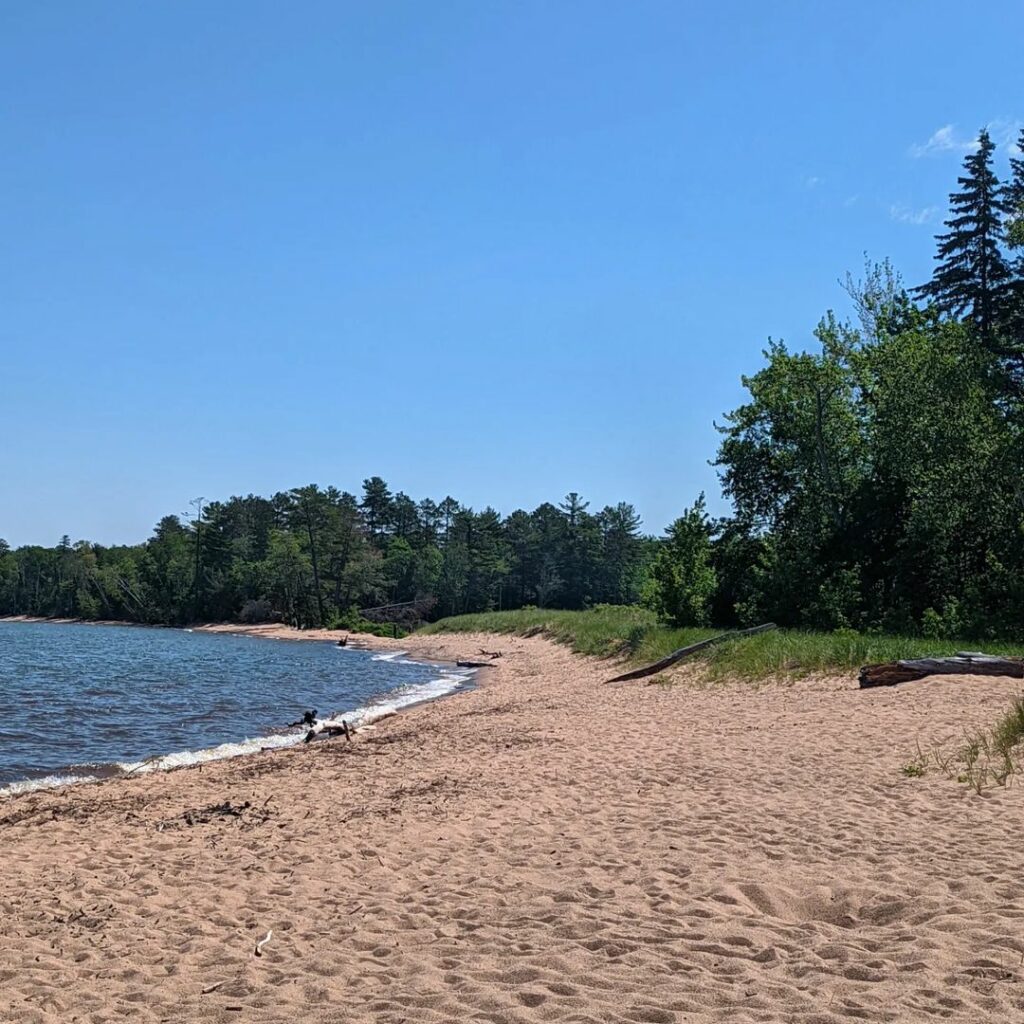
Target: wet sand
{"points": [[541, 848]]}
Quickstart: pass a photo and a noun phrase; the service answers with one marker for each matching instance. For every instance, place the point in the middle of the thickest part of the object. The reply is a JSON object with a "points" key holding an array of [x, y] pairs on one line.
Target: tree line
{"points": [[876, 483], [317, 556]]}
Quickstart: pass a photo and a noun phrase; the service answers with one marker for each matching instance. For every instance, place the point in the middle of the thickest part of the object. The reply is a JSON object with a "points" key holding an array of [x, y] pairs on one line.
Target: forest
{"points": [[876, 483]]}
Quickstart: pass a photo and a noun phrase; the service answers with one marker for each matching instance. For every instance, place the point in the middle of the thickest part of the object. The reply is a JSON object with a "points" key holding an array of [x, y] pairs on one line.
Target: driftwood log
{"points": [[659, 666], [965, 663]]}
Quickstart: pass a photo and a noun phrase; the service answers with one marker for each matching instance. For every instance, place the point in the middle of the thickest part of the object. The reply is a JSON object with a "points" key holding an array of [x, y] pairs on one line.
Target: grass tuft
{"points": [[987, 757]]}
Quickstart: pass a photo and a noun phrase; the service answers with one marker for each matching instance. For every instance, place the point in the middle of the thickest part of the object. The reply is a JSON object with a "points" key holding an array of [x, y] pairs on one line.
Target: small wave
{"points": [[415, 693], [48, 782], [395, 700], [390, 656], [181, 758]]}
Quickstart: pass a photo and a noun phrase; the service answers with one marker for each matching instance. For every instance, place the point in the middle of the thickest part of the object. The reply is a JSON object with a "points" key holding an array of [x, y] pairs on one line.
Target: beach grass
{"points": [[636, 635], [991, 755]]}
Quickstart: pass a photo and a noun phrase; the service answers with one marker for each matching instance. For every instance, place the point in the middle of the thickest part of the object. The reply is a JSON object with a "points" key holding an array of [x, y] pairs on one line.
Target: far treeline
{"points": [[877, 484]]}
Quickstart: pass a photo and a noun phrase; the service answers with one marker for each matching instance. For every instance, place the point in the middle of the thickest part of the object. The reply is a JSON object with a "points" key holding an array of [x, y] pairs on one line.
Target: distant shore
{"points": [[270, 630], [541, 848], [71, 622]]}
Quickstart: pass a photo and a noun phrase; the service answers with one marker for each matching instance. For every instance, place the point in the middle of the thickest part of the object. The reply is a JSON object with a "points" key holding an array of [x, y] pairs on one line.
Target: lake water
{"points": [[81, 702]]}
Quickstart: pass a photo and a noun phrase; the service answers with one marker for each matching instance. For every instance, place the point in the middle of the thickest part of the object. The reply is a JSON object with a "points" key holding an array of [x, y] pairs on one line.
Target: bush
{"points": [[682, 580], [355, 623]]}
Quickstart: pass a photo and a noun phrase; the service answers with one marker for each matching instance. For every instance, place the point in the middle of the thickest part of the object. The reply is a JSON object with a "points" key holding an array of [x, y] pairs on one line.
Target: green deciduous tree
{"points": [[683, 580]]}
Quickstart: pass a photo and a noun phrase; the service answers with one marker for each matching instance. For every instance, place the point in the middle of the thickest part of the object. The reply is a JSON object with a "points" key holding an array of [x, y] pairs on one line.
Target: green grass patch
{"points": [[986, 757], [991, 756], [636, 635]]}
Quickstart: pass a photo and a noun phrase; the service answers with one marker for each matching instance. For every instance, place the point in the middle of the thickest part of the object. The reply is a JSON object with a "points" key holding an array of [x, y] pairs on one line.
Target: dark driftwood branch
{"points": [[683, 652], [965, 663]]}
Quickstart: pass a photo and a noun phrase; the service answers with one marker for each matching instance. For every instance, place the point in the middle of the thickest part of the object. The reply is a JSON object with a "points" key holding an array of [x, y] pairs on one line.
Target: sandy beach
{"points": [[541, 848]]}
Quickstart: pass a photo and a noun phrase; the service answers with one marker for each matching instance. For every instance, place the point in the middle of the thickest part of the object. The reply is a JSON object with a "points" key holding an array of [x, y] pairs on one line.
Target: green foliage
{"points": [[875, 485], [683, 579], [307, 555]]}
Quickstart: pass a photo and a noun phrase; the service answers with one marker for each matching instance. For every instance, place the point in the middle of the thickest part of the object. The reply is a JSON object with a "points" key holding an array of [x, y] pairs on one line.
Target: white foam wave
{"points": [[390, 656], [48, 782], [406, 696], [181, 758]]}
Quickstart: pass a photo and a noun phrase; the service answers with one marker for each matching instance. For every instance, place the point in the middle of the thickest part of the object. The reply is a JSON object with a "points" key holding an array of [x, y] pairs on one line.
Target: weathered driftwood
{"points": [[683, 652], [472, 664], [964, 663]]}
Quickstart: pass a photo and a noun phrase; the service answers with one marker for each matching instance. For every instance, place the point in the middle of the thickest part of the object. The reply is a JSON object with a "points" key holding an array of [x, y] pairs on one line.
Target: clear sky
{"points": [[495, 250]]}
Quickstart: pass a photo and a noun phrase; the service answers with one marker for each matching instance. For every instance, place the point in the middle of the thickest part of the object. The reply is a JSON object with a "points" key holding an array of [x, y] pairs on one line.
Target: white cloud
{"points": [[944, 140], [812, 182], [1004, 132], [907, 215]]}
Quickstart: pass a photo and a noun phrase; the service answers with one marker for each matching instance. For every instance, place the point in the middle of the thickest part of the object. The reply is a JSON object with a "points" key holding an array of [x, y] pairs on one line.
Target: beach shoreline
{"points": [[358, 718], [540, 848]]}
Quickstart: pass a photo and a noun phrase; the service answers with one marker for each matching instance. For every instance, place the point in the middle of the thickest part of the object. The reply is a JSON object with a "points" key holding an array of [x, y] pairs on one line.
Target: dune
{"points": [[541, 848]]}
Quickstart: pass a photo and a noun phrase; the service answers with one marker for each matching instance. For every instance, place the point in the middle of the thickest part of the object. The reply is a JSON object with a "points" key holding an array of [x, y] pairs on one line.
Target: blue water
{"points": [[80, 702]]}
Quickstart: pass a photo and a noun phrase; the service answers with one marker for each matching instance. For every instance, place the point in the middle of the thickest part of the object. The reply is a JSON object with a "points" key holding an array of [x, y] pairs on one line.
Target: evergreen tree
{"points": [[972, 277], [579, 552], [309, 507], [1014, 198], [376, 505], [619, 561]]}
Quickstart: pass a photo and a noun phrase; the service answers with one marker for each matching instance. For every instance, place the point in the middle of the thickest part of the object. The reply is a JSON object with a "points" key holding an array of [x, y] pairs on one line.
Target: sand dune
{"points": [[544, 848]]}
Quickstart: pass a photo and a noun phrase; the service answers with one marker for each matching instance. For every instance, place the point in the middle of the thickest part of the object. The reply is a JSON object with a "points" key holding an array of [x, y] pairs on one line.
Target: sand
{"points": [[543, 848]]}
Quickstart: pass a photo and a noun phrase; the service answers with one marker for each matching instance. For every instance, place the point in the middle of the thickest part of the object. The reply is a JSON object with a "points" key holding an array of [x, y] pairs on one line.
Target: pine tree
{"points": [[972, 276], [376, 505], [1014, 198]]}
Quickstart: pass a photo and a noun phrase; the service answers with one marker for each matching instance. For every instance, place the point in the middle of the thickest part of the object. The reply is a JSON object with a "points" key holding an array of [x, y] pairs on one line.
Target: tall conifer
{"points": [[973, 277], [1014, 198]]}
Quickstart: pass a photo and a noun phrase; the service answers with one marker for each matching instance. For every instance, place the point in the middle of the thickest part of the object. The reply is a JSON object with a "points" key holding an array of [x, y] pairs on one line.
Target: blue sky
{"points": [[495, 250]]}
